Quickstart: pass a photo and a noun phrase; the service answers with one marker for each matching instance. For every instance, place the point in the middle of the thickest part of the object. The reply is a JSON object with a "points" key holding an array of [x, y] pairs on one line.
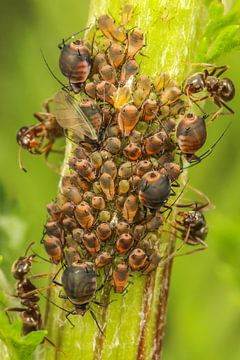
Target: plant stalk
{"points": [[133, 325]]}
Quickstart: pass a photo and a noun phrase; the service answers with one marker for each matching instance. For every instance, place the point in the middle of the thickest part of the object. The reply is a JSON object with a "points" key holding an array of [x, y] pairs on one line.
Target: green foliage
{"points": [[222, 33], [19, 347]]}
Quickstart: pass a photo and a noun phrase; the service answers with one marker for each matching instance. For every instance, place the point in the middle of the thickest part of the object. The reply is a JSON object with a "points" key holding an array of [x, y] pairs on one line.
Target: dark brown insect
{"points": [[137, 259], [221, 90], [192, 226], [128, 118], [191, 135], [75, 63], [154, 190], [124, 243], [135, 43], [80, 285], [25, 291]]}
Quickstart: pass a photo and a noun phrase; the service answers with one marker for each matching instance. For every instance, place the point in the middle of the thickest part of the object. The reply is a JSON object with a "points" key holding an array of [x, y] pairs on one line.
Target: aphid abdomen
{"points": [[191, 133], [79, 282], [154, 189]]}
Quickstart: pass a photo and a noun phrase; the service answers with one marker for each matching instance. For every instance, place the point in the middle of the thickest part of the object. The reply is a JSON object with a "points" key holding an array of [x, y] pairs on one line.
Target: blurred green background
{"points": [[204, 307]]}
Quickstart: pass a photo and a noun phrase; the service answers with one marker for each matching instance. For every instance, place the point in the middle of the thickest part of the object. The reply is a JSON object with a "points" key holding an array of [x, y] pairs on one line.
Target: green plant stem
{"points": [[134, 323]]}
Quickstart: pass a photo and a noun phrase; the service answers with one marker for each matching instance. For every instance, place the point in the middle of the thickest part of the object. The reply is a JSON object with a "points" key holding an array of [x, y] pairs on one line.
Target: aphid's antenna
{"points": [[20, 160], [52, 73], [60, 46], [210, 150]]}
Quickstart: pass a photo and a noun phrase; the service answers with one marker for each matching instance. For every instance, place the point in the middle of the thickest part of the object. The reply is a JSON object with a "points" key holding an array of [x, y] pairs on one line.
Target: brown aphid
{"points": [[115, 55], [75, 63], [69, 223], [102, 260], [120, 200], [83, 214], [137, 259], [135, 137], [122, 227], [90, 90], [92, 112], [103, 231], [73, 194], [126, 170], [155, 222], [172, 169], [142, 90], [72, 256], [129, 69], [123, 187], [128, 118], [154, 189], [120, 278], [134, 182], [132, 151], [105, 91], [98, 203], [84, 168], [53, 247], [191, 135], [53, 228], [109, 29], [124, 243], [130, 208], [77, 235], [108, 73], [99, 62], [153, 144], [91, 243], [107, 185], [150, 109], [113, 130], [170, 95], [54, 211], [139, 232], [110, 168], [80, 153], [135, 43], [113, 145], [143, 167], [68, 208], [154, 261], [96, 160]]}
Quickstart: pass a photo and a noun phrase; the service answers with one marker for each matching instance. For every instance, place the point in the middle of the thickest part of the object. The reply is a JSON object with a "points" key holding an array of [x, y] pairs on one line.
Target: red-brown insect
{"points": [[75, 63], [39, 138], [120, 278]]}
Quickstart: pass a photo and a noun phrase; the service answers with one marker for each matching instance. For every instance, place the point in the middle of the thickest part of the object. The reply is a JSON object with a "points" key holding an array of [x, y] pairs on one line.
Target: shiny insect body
{"points": [[154, 189], [191, 135], [75, 63], [221, 90]]}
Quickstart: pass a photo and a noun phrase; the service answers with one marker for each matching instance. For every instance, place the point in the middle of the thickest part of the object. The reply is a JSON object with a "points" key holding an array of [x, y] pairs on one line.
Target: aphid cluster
{"points": [[131, 136]]}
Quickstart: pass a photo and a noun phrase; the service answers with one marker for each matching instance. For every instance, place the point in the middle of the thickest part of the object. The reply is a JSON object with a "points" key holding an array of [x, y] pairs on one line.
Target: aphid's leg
{"points": [[53, 280], [95, 319], [67, 318]]}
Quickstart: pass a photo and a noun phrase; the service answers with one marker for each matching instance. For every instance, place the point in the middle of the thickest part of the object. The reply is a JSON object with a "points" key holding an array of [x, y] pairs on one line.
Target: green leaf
{"points": [[19, 347], [227, 39]]}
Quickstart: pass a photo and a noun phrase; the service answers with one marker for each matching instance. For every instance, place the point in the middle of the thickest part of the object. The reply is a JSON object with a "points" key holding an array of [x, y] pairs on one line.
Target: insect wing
{"points": [[70, 116]]}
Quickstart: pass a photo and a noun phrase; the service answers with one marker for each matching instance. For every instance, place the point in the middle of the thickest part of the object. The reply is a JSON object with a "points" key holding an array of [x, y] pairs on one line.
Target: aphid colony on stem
{"points": [[130, 137]]}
